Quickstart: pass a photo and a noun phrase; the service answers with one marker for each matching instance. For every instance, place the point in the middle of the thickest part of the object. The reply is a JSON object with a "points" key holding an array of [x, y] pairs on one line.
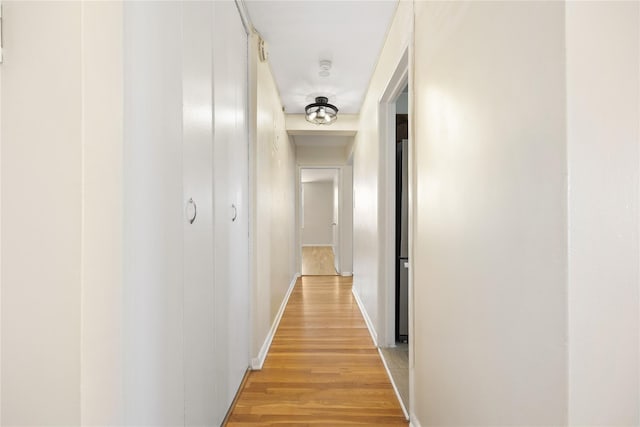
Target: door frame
{"points": [[401, 77], [299, 168], [387, 123]]}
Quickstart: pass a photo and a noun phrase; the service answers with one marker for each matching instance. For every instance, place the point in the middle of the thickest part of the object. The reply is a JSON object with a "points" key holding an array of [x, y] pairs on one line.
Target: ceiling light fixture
{"points": [[321, 112]]}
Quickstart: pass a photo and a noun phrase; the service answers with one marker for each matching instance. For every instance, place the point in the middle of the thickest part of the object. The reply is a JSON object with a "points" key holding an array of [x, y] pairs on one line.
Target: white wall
{"points": [[318, 198], [603, 73], [310, 155], [62, 214], [489, 254], [346, 221], [41, 213], [273, 197], [525, 255], [368, 168], [102, 293]]}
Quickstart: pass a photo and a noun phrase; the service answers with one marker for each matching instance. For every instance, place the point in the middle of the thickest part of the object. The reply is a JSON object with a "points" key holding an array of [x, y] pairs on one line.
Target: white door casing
{"points": [[336, 219]]}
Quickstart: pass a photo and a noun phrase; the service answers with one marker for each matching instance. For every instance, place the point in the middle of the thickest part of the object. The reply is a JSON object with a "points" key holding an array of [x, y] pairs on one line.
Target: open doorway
{"points": [[397, 354], [319, 221], [402, 219]]}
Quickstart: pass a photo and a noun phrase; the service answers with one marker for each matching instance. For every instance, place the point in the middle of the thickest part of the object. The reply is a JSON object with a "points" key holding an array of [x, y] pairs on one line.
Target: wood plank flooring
{"points": [[322, 369], [318, 261]]}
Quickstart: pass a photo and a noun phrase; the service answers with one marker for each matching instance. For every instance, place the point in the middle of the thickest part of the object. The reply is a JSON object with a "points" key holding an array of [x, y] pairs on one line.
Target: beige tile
{"points": [[397, 359]]}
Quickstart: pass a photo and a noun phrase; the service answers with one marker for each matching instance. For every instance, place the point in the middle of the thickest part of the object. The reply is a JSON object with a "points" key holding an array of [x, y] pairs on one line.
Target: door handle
{"points": [[235, 212], [334, 224], [195, 210]]}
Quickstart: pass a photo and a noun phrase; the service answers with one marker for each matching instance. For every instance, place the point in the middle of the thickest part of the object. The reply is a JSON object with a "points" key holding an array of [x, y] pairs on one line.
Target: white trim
{"points": [[346, 274], [393, 383], [317, 244], [367, 320], [1, 38], [386, 128], [402, 75], [244, 17], [257, 362], [412, 198]]}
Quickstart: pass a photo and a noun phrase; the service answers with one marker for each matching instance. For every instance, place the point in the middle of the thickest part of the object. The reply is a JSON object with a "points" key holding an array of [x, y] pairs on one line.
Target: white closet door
{"points": [[230, 195], [238, 185], [153, 214], [199, 323]]}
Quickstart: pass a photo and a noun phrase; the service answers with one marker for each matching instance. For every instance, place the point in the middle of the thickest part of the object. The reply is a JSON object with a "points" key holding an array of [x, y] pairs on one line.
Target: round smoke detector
{"points": [[325, 66]]}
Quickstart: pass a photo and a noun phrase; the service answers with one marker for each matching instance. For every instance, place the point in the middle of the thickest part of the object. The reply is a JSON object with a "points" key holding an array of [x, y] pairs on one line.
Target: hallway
{"points": [[322, 367], [469, 170]]}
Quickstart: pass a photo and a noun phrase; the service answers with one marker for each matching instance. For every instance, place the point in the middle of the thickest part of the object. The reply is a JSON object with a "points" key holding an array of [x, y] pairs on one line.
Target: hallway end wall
{"points": [[320, 155], [273, 199]]}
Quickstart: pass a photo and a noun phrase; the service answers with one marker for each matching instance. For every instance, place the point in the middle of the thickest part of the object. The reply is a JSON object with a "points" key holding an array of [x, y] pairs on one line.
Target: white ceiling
{"points": [[318, 175], [299, 33]]}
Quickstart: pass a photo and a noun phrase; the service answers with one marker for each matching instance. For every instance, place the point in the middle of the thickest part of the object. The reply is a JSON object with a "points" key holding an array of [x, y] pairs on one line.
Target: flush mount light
{"points": [[321, 112]]}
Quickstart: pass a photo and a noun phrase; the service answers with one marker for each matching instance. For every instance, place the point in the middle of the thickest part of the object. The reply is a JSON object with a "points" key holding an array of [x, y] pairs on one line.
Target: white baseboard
{"points": [[346, 274], [367, 320], [317, 244], [413, 421], [257, 362], [393, 383]]}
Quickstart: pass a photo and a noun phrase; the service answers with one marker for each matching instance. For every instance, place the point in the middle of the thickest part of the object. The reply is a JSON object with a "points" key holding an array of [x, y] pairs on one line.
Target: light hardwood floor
{"points": [[322, 369], [318, 261]]}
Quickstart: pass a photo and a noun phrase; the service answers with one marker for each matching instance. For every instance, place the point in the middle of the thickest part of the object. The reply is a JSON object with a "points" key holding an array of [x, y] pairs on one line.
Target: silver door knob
{"points": [[235, 213]]}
